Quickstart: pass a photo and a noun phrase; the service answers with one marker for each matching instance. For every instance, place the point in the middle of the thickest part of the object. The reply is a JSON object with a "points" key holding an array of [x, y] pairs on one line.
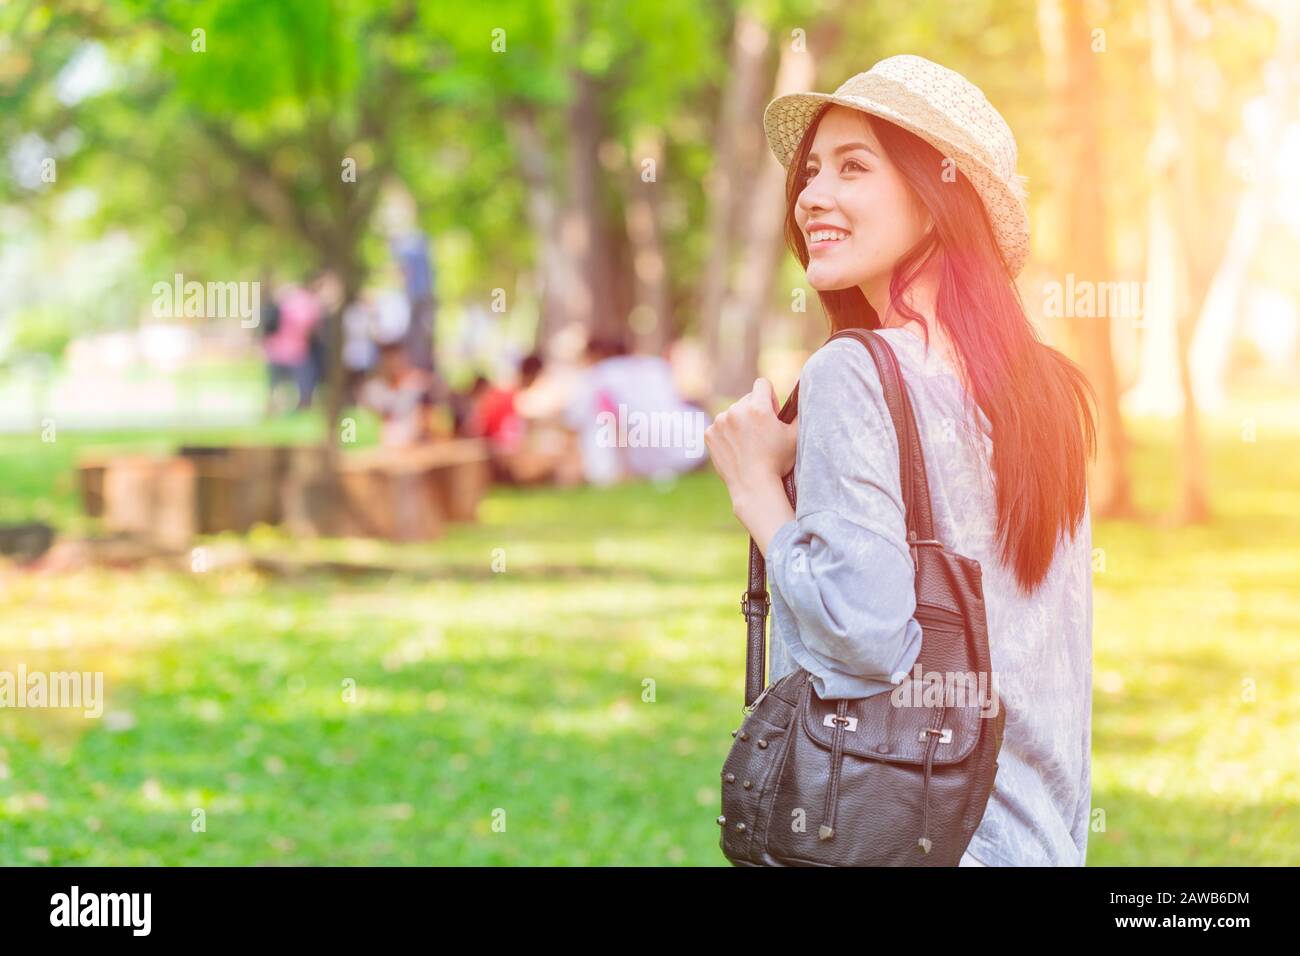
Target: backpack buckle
{"points": [[746, 596]]}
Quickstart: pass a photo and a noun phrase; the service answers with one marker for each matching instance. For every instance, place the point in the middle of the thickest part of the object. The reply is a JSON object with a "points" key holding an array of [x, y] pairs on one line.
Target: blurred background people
{"points": [[392, 317], [492, 413], [360, 351], [328, 289], [593, 394], [288, 347], [410, 250], [404, 397], [649, 430]]}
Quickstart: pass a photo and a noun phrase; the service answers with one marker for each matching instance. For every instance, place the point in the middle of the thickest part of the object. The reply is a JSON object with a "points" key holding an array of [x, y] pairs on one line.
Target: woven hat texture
{"points": [[943, 108]]}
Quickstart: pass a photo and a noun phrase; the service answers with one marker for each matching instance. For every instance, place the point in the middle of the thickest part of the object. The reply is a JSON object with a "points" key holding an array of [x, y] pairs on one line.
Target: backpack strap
{"points": [[755, 600]]}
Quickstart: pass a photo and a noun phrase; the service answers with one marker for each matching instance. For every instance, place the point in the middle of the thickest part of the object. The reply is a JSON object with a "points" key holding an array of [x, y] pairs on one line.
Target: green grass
{"points": [[503, 677]]}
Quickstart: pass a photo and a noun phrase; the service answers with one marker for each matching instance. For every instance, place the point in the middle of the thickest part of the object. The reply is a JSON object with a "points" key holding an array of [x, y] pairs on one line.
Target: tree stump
{"points": [[152, 496], [238, 486], [389, 497], [311, 499], [90, 479], [409, 493]]}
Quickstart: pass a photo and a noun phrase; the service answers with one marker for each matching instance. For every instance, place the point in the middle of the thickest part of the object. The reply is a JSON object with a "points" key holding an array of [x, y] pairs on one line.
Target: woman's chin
{"points": [[824, 280]]}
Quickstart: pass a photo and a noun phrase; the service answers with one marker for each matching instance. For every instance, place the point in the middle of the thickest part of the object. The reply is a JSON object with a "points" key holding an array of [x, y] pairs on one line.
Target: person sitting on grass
{"points": [[522, 447], [404, 397], [493, 414]]}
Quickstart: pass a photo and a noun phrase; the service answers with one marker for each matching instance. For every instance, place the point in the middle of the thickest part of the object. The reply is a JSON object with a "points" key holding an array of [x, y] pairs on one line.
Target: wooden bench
{"points": [[152, 496], [238, 486], [410, 493], [394, 493]]}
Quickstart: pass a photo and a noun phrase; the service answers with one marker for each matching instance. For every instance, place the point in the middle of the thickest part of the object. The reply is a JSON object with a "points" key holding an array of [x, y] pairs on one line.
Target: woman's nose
{"points": [[814, 198]]}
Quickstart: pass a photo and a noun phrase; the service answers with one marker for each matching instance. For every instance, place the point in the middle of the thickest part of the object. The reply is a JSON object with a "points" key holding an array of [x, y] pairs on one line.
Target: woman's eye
{"points": [[809, 172]]}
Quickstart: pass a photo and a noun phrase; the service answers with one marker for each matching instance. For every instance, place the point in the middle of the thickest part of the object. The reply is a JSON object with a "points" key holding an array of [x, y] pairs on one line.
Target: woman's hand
{"points": [[752, 450]]}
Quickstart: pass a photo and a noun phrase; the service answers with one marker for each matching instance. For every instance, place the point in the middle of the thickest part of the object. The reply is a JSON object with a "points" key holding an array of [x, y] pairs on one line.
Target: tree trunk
{"points": [[352, 277], [748, 189], [1182, 264], [563, 302], [763, 248], [735, 127], [1072, 80], [1268, 116], [651, 324], [586, 236]]}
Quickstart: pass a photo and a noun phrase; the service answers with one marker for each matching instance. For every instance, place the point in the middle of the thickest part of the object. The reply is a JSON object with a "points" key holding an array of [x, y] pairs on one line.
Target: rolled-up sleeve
{"points": [[841, 565]]}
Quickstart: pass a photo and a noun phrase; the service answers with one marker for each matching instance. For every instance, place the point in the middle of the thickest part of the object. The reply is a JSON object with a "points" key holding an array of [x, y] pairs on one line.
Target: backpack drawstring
{"points": [[827, 829], [930, 746]]}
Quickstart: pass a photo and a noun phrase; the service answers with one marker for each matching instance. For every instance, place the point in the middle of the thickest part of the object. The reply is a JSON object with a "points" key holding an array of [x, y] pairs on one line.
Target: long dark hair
{"points": [[1036, 399]]}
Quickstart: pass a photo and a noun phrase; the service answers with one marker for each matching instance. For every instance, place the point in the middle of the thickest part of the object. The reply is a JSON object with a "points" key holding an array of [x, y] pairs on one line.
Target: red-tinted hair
{"points": [[1036, 399]]}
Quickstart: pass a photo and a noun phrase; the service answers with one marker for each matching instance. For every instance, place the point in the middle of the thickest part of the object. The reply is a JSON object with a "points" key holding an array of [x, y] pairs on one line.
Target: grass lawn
{"points": [[557, 685]]}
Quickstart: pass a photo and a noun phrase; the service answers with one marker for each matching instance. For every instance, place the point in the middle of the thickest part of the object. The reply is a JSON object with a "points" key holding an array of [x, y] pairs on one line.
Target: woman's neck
{"points": [[921, 297]]}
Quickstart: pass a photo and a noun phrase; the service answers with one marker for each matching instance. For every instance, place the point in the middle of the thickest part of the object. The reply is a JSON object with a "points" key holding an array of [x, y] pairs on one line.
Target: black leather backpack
{"points": [[871, 781]]}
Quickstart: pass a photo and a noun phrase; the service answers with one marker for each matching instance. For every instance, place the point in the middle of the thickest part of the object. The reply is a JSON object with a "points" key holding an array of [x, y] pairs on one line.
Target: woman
{"points": [[906, 212]]}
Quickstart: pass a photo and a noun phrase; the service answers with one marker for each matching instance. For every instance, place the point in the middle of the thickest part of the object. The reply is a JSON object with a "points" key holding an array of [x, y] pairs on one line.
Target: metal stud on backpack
{"points": [[812, 782]]}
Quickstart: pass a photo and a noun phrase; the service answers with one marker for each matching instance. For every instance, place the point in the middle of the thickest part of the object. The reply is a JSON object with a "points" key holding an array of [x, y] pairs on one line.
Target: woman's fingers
{"points": [[763, 394]]}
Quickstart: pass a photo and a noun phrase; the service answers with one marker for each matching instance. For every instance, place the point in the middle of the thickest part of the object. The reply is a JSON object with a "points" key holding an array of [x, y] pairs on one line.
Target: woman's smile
{"points": [[823, 244], [822, 236]]}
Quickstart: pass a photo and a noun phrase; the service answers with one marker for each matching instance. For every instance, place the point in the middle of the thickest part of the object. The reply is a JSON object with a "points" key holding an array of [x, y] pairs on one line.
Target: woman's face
{"points": [[857, 214]]}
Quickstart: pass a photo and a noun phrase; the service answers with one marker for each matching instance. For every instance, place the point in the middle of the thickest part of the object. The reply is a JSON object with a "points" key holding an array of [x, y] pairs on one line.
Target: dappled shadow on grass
{"points": [[1146, 830], [253, 728], [1156, 705], [478, 572], [528, 699], [584, 772], [411, 773]]}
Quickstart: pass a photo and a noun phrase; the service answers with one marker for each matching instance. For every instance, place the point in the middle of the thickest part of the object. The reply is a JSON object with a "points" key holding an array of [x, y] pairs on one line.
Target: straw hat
{"points": [[943, 108]]}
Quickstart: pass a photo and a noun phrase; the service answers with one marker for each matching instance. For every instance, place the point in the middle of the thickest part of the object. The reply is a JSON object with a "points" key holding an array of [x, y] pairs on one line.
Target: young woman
{"points": [[905, 210]]}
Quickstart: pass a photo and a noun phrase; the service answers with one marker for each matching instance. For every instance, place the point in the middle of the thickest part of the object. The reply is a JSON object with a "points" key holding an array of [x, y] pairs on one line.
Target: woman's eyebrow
{"points": [[845, 147]]}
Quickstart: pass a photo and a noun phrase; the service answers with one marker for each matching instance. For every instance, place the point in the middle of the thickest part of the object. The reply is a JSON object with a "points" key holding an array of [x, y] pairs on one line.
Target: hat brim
{"points": [[787, 117]]}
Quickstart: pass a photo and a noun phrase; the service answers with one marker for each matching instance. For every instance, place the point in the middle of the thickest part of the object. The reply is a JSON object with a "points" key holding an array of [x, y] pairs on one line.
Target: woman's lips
{"points": [[825, 244]]}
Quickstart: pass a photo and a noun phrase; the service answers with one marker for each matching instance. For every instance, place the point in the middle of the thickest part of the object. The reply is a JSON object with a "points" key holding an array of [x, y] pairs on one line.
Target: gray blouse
{"points": [[841, 580]]}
